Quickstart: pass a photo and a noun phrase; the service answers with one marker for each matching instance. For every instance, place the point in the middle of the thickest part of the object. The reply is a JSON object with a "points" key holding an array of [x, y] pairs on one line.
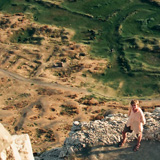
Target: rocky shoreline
{"points": [[106, 132]]}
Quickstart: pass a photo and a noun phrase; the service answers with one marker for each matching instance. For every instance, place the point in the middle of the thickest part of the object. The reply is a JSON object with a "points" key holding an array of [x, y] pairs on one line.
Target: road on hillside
{"points": [[42, 83]]}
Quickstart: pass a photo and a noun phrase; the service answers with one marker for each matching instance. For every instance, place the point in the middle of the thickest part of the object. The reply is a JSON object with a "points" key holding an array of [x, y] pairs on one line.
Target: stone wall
{"points": [[105, 131]]}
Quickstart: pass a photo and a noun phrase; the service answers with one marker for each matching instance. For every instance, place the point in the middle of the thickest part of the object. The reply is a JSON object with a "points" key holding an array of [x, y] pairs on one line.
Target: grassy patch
{"points": [[69, 109], [125, 32], [26, 36]]}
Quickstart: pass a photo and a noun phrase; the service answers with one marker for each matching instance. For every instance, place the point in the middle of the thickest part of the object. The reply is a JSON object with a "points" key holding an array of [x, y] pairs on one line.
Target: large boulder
{"points": [[16, 147], [10, 152], [5, 138], [23, 145]]}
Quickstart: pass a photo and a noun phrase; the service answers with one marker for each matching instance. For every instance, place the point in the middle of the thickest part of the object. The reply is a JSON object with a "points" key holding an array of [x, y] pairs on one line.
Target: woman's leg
{"points": [[123, 141], [139, 138], [136, 148], [124, 134]]}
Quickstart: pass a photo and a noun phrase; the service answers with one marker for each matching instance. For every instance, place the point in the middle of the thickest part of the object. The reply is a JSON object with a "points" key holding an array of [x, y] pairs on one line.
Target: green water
{"points": [[137, 17]]}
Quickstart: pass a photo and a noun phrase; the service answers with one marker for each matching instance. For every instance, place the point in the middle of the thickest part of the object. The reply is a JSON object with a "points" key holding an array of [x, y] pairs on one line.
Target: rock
{"points": [[17, 147], [106, 131], [110, 115], [157, 110], [37, 158], [63, 154], [76, 126], [71, 150], [23, 146], [52, 154], [76, 123], [5, 138], [109, 131], [10, 152]]}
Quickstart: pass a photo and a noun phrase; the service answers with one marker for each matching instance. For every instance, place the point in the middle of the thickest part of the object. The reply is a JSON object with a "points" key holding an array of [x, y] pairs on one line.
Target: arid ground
{"points": [[46, 85]]}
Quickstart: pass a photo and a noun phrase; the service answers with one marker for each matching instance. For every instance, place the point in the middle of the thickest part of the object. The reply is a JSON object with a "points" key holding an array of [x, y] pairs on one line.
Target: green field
{"points": [[126, 32]]}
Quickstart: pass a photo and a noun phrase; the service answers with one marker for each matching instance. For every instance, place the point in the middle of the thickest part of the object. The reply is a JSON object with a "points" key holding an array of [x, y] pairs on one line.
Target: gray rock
{"points": [[63, 153], [157, 110], [106, 131]]}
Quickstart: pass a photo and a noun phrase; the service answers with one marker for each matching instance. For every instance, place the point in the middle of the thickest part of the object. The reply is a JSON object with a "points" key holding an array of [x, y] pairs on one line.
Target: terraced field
{"points": [[126, 32]]}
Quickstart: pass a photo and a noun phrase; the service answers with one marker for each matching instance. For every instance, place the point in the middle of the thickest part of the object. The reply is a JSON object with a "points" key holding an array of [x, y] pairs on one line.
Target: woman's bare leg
{"points": [[124, 134], [123, 141], [139, 139], [136, 148]]}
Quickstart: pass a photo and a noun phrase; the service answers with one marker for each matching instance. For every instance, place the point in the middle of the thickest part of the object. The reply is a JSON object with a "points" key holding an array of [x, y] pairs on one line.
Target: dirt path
{"points": [[39, 82], [152, 102], [149, 150]]}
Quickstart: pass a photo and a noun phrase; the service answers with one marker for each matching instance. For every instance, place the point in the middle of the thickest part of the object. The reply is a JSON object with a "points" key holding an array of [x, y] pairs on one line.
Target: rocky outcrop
{"points": [[16, 147], [105, 131], [5, 138], [82, 135]]}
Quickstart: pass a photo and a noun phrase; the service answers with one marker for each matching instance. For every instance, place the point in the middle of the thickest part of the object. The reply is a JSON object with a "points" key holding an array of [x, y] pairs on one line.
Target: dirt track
{"points": [[39, 82]]}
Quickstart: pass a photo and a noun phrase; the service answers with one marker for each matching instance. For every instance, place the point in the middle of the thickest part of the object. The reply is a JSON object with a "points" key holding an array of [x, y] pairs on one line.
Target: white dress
{"points": [[136, 120]]}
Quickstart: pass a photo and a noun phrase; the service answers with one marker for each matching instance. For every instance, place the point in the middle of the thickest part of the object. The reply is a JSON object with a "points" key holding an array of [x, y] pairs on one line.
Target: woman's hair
{"points": [[134, 102]]}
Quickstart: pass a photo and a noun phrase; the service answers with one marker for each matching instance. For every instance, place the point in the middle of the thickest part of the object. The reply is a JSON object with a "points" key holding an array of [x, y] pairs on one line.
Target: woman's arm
{"points": [[129, 112], [143, 120]]}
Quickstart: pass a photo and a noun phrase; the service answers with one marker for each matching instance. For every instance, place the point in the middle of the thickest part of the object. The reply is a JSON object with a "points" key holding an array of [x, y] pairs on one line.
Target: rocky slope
{"points": [[42, 74], [105, 132], [82, 136]]}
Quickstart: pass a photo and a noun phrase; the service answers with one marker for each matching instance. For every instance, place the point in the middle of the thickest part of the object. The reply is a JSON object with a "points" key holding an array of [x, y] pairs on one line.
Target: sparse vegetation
{"points": [[47, 134], [109, 47], [130, 31], [25, 95], [92, 100], [48, 91], [26, 36], [69, 109]]}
